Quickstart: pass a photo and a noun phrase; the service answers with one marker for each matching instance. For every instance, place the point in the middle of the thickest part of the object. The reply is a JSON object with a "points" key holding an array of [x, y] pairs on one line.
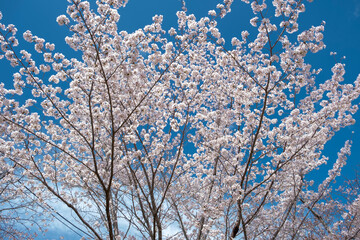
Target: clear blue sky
{"points": [[342, 35]]}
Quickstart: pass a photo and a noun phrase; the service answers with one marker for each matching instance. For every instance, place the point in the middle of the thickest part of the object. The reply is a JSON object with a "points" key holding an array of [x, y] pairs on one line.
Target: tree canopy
{"points": [[173, 133]]}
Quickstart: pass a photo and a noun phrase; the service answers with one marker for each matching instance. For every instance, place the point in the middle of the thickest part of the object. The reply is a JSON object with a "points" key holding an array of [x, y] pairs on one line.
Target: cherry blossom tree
{"points": [[14, 213], [175, 134]]}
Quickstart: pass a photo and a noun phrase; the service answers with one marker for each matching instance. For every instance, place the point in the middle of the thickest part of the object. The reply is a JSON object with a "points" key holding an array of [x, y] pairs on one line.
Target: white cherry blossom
{"points": [[169, 129]]}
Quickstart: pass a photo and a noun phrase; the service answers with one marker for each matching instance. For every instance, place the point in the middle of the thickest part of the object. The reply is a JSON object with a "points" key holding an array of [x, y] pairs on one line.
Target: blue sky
{"points": [[342, 35]]}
